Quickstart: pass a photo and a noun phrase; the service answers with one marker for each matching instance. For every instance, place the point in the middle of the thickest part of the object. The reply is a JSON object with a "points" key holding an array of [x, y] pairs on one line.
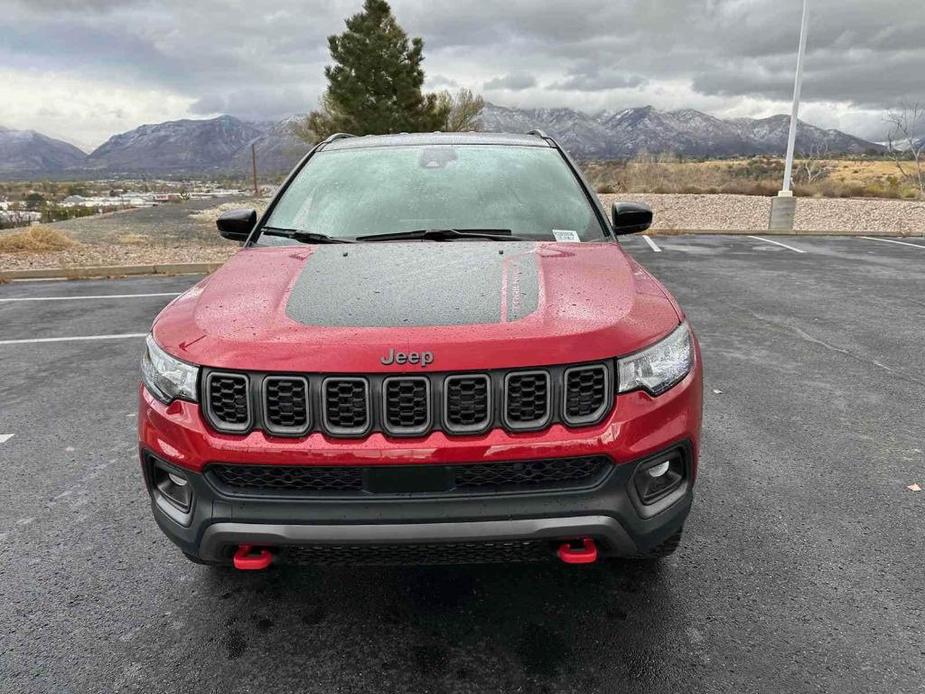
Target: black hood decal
{"points": [[416, 284]]}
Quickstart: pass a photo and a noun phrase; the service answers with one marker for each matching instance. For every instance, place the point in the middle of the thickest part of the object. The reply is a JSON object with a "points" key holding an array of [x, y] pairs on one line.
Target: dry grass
{"points": [[35, 239], [131, 239], [840, 178]]}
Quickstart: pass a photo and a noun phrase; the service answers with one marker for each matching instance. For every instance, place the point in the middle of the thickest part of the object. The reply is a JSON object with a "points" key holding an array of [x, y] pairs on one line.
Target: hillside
{"points": [[182, 146], [222, 144], [26, 152]]}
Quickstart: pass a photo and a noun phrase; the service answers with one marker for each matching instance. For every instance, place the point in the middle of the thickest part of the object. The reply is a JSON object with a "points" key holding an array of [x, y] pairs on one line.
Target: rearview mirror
{"points": [[236, 225], [631, 217]]}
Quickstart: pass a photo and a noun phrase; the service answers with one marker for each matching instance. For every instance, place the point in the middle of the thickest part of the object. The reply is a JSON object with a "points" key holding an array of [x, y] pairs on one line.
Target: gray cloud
{"points": [[728, 57], [590, 78], [515, 82]]}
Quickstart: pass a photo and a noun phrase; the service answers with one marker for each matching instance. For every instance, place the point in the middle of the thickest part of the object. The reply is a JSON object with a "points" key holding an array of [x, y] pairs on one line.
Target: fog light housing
{"points": [[658, 478], [172, 486]]}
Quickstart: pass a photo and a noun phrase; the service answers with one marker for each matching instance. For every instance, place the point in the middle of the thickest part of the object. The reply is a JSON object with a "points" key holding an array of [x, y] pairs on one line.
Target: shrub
{"points": [[37, 238]]}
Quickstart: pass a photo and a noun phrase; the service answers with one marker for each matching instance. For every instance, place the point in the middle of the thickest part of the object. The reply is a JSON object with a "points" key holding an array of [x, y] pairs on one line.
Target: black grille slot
{"points": [[527, 398], [419, 554], [228, 403], [467, 403], [288, 478], [346, 405], [530, 474], [406, 405], [585, 393], [473, 478], [286, 401]]}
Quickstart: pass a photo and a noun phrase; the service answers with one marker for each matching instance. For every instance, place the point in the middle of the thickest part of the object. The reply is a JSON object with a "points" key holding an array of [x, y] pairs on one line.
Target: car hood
{"points": [[473, 305]]}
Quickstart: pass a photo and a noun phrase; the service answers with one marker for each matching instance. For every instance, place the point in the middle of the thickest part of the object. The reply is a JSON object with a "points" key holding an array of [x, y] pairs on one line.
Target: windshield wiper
{"points": [[302, 236], [445, 235]]}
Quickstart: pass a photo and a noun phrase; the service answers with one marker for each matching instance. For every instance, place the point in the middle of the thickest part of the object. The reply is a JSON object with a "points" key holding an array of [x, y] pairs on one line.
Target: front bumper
{"points": [[639, 429], [611, 512]]}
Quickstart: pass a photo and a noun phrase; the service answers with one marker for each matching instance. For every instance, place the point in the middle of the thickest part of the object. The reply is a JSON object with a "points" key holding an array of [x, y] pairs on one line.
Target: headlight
{"points": [[165, 377], [660, 366]]}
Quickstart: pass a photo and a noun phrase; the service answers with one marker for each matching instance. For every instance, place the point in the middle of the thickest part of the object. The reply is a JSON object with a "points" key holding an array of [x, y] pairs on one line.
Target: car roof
{"points": [[406, 139]]}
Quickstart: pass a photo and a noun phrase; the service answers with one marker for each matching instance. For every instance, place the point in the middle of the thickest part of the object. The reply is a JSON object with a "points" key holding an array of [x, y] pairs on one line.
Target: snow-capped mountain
{"points": [[222, 144], [626, 133], [277, 149], [28, 153], [181, 146]]}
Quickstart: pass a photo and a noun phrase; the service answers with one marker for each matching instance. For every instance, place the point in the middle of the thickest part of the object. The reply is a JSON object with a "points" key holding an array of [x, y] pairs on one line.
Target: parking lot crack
{"points": [[802, 334]]}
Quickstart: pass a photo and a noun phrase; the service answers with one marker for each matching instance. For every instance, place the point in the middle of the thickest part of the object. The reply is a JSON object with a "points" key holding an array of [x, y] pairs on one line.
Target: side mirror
{"points": [[236, 225], [631, 217]]}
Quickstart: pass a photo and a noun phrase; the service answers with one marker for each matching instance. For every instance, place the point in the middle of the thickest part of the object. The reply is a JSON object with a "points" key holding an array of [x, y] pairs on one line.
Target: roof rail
{"points": [[538, 133], [335, 136]]}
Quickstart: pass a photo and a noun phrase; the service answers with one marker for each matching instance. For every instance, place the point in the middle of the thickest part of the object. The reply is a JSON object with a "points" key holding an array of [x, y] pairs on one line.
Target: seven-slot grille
{"points": [[408, 404]]}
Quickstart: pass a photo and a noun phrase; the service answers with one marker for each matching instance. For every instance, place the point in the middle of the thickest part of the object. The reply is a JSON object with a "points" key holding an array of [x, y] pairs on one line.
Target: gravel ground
{"points": [[86, 255], [751, 213], [186, 232], [174, 233]]}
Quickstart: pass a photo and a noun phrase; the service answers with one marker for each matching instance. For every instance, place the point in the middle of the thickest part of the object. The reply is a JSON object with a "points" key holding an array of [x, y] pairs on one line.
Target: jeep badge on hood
{"points": [[422, 358]]}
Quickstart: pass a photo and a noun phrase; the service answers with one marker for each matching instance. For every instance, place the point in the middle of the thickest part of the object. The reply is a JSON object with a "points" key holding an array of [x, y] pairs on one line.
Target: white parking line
{"points": [[81, 338], [88, 297], [6, 437], [652, 244], [901, 243], [777, 243]]}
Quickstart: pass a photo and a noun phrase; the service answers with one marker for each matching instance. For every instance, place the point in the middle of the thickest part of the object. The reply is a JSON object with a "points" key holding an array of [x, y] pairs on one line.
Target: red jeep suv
{"points": [[430, 349]]}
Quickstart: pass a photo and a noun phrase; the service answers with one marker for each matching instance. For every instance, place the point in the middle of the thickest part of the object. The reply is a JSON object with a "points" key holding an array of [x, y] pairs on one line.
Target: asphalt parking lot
{"points": [[801, 569]]}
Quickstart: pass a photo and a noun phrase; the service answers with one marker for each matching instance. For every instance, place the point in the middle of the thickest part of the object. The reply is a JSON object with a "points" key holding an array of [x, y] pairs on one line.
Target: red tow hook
{"points": [[585, 554], [250, 558]]}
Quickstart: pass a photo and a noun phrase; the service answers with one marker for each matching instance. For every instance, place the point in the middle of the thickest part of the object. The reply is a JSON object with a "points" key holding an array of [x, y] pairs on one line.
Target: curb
{"points": [[77, 273]]}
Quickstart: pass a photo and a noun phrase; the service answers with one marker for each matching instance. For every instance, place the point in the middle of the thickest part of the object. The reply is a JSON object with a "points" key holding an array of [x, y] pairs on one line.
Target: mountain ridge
{"points": [[28, 151], [223, 144]]}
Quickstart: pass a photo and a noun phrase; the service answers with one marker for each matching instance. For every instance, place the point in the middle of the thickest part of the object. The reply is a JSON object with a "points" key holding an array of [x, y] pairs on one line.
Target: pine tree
{"points": [[374, 85]]}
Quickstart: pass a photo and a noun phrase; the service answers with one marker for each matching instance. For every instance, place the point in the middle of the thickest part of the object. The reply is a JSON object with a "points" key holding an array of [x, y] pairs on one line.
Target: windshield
{"points": [[347, 193]]}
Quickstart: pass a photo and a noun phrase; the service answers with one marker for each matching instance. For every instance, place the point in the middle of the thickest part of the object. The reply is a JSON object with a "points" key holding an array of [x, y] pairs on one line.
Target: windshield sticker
{"points": [[566, 236]]}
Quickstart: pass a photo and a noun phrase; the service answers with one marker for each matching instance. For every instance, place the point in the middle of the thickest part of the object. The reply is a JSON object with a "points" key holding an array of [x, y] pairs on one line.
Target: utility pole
{"points": [[254, 167], [783, 207]]}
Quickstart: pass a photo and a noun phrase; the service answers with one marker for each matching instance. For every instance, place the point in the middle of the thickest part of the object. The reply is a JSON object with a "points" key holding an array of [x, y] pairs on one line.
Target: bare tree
{"points": [[813, 165], [464, 110], [906, 142]]}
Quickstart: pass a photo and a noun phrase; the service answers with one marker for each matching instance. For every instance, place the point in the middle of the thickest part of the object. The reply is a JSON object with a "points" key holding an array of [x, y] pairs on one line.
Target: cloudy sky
{"points": [[85, 69]]}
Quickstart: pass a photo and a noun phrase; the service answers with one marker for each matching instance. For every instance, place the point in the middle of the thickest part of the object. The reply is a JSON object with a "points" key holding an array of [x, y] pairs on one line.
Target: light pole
{"points": [[783, 207]]}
